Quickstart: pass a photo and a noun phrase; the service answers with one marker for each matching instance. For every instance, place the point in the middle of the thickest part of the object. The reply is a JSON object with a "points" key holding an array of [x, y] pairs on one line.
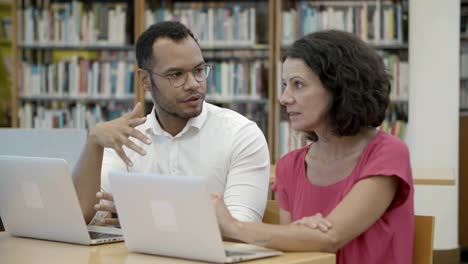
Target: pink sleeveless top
{"points": [[390, 239]]}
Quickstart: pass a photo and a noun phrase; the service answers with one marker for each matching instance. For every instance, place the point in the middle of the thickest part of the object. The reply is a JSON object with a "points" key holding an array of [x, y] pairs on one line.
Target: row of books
{"points": [[6, 28], [213, 24], [376, 22], [289, 139], [73, 23], [86, 78], [399, 72], [237, 54], [464, 60], [396, 120], [78, 77], [234, 78], [63, 115]]}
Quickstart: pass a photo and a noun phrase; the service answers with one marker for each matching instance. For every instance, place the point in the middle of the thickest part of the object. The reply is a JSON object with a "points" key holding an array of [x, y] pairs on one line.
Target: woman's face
{"points": [[306, 100]]}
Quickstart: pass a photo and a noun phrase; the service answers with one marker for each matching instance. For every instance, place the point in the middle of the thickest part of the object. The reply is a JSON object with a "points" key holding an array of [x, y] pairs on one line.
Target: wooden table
{"points": [[24, 250]]}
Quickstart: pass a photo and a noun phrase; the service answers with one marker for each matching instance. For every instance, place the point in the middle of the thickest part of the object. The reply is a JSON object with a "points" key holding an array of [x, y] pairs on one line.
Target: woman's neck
{"points": [[330, 147]]}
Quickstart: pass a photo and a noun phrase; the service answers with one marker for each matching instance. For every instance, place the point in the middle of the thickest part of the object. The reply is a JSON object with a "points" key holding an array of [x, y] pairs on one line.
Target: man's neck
{"points": [[169, 123]]}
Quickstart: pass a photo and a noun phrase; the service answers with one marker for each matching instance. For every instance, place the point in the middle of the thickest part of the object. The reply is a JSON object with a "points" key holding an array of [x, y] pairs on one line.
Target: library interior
{"points": [[69, 66]]}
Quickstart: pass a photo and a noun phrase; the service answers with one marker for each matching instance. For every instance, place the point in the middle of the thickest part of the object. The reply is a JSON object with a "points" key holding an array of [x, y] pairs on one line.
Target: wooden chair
{"points": [[423, 232], [271, 215], [423, 239]]}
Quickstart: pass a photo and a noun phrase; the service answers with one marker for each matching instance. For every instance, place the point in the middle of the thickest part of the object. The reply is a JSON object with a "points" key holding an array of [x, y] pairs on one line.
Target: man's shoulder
{"points": [[226, 117]]}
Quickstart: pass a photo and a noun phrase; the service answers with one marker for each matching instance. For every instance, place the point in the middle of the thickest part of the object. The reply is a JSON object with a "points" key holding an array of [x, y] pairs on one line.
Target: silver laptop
{"points": [[173, 216], [38, 200], [64, 143]]}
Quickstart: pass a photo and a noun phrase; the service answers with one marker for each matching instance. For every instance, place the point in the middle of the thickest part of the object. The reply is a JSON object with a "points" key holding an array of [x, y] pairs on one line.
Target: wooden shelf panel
{"points": [[76, 98], [381, 46], [76, 47]]}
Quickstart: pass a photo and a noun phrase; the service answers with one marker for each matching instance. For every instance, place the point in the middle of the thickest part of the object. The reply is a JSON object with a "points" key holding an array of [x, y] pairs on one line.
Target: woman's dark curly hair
{"points": [[354, 74]]}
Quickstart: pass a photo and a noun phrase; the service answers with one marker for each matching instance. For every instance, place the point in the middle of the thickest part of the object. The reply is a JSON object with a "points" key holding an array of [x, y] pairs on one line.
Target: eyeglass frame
{"points": [[185, 73]]}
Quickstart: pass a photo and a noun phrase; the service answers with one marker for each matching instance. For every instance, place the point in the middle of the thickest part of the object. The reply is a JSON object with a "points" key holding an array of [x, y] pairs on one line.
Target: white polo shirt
{"points": [[220, 144]]}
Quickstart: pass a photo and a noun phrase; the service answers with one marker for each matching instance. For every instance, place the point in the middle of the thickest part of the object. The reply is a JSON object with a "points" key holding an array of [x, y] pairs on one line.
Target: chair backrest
{"points": [[423, 239], [271, 215]]}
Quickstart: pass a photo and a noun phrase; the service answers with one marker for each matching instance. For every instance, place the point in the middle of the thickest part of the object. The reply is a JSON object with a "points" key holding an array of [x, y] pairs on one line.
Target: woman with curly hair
{"points": [[350, 191]]}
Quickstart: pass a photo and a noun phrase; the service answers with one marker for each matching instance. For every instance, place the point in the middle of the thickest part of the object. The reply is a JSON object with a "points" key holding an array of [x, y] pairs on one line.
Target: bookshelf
{"points": [[385, 29], [74, 62]]}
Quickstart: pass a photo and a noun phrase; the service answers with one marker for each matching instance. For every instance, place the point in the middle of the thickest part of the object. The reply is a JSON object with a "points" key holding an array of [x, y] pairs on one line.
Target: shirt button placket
{"points": [[173, 156]]}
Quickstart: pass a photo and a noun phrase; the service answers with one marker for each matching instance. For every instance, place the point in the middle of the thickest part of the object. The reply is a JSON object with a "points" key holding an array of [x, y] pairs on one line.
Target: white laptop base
{"points": [[38, 200], [173, 216]]}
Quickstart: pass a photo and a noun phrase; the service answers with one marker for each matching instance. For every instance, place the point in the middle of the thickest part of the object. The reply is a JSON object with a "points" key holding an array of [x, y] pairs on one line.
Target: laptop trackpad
{"points": [[245, 249]]}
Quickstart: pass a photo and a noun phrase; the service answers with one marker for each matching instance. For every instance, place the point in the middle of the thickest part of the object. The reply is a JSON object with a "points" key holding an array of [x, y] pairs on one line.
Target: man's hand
{"points": [[316, 221], [107, 205], [115, 134]]}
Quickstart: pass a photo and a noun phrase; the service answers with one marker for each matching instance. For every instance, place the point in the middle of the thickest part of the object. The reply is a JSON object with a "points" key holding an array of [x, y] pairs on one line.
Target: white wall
{"points": [[434, 44]]}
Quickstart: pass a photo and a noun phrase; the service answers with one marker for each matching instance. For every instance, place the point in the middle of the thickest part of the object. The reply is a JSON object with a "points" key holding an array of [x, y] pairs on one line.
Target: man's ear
{"points": [[144, 79]]}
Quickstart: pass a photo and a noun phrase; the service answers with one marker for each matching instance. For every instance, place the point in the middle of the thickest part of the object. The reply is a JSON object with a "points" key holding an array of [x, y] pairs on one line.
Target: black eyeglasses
{"points": [[178, 79]]}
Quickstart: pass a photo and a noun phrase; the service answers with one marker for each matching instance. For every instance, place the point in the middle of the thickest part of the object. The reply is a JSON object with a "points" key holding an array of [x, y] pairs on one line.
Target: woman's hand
{"points": [[316, 221], [227, 224]]}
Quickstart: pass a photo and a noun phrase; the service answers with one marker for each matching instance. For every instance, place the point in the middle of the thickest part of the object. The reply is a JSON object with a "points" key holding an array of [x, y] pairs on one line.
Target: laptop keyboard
{"points": [[230, 253], [98, 235]]}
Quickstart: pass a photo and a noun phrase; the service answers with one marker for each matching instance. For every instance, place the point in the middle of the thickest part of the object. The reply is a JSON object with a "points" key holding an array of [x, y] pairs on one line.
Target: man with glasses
{"points": [[183, 134]]}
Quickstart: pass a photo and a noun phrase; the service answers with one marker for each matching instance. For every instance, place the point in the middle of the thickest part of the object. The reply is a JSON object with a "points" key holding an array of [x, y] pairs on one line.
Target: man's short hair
{"points": [[173, 30]]}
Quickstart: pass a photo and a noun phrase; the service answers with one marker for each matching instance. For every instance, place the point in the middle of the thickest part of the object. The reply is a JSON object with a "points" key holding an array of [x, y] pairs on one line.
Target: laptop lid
{"points": [[53, 143], [174, 216], [38, 200], [167, 215]]}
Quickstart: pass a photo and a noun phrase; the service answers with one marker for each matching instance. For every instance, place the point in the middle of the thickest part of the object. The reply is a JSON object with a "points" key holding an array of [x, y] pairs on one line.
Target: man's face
{"points": [[174, 59]]}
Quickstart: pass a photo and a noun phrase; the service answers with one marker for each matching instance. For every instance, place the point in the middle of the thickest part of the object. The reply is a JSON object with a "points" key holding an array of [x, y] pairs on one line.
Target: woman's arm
{"points": [[285, 217], [365, 203]]}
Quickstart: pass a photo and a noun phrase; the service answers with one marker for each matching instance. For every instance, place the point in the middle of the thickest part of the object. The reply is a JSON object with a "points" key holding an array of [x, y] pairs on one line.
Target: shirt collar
{"points": [[152, 125]]}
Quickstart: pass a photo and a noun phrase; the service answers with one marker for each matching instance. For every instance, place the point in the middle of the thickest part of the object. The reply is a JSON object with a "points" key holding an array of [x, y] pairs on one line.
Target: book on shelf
{"points": [[68, 115], [464, 94], [377, 22], [97, 75], [73, 23], [6, 28], [289, 139], [213, 24], [399, 74], [464, 60], [232, 79]]}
